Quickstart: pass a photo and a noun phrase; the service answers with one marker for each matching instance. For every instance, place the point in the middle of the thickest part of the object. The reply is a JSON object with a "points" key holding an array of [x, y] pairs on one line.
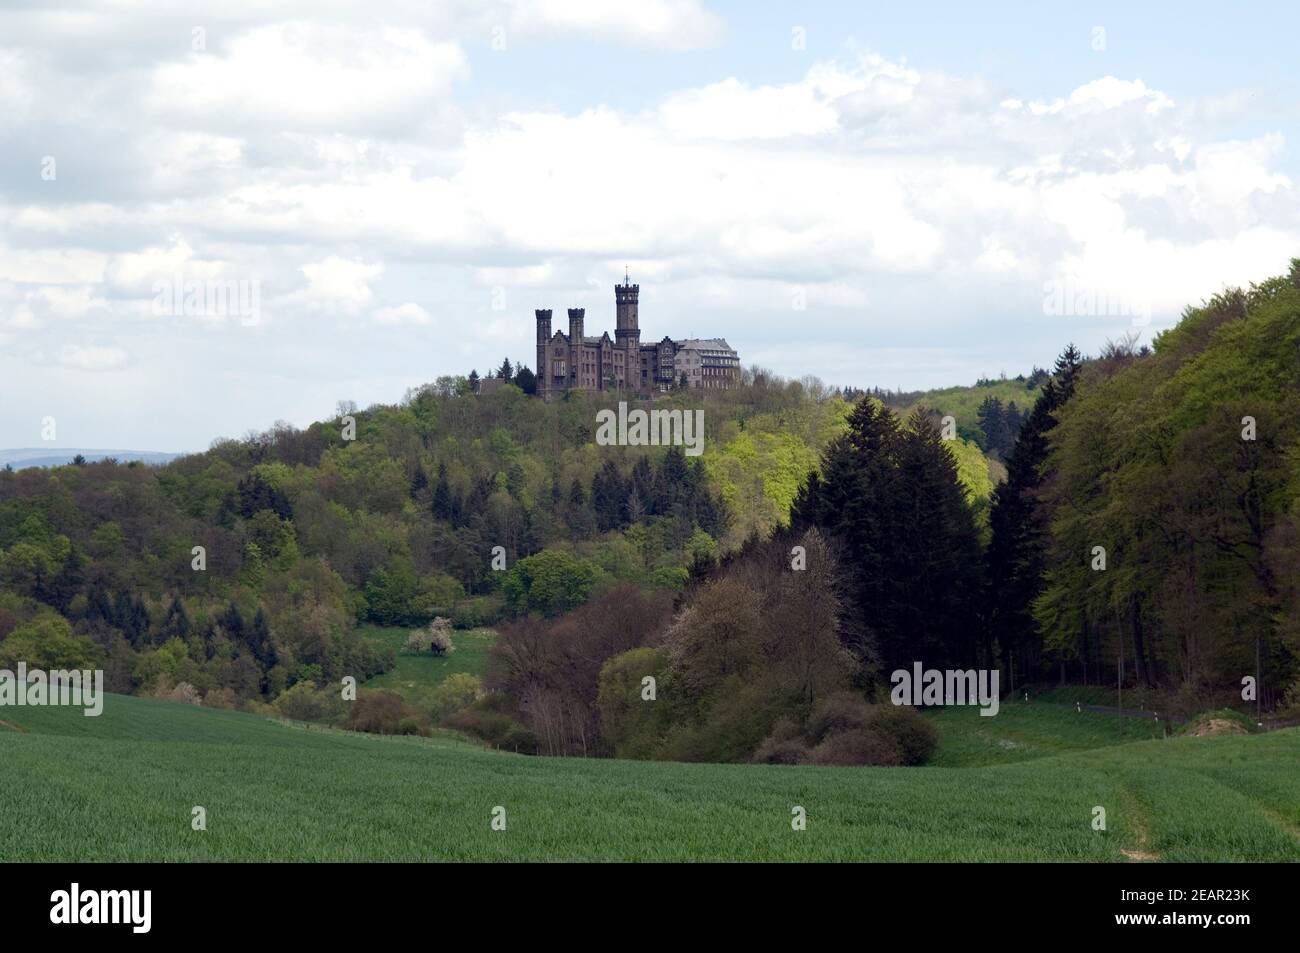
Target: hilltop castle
{"points": [[575, 361]]}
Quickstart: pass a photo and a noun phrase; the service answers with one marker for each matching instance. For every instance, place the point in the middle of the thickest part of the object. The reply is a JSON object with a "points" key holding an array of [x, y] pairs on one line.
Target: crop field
{"points": [[122, 787]]}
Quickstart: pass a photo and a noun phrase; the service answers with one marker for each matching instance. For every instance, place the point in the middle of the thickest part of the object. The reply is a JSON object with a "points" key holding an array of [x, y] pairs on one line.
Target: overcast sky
{"points": [[878, 194]]}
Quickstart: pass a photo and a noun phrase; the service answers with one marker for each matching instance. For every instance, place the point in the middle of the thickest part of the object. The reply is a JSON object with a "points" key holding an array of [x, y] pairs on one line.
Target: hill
{"points": [[56, 457], [121, 787]]}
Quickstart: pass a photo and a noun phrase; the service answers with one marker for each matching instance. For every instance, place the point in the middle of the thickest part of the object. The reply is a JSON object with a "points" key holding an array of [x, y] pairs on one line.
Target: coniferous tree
{"points": [[442, 504], [1017, 552], [993, 423], [609, 497], [890, 498]]}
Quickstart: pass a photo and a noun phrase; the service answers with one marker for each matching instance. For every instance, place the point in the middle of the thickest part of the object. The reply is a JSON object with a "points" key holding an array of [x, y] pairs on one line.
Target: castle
{"points": [[575, 361]]}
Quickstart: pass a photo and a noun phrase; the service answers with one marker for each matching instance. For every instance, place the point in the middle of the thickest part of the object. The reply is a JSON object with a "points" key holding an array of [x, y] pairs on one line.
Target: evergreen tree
{"points": [[419, 481], [1017, 552], [526, 380], [442, 504], [993, 423], [609, 497]]}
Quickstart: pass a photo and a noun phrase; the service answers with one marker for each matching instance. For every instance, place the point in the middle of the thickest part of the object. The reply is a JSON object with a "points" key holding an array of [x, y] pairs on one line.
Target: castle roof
{"points": [[704, 344]]}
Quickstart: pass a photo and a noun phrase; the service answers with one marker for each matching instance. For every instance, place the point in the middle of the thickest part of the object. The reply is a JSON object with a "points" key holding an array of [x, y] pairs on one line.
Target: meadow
{"points": [[121, 787], [416, 674]]}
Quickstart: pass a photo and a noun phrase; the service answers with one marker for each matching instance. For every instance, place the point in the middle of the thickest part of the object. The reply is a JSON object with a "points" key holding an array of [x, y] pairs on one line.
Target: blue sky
{"points": [[910, 197]]}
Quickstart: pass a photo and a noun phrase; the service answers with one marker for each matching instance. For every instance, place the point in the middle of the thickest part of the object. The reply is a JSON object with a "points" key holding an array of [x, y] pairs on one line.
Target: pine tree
{"points": [[993, 423], [1017, 552], [609, 497], [419, 481], [442, 505]]}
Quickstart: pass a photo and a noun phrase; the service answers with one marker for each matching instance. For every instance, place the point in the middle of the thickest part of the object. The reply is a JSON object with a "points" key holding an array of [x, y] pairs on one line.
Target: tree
{"points": [[442, 500], [1018, 549], [526, 380], [993, 422], [550, 582], [609, 495], [506, 372]]}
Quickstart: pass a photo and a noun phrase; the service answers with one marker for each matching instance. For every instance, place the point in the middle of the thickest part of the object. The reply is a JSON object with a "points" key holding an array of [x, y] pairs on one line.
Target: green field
{"points": [[415, 676], [121, 787], [1023, 731]]}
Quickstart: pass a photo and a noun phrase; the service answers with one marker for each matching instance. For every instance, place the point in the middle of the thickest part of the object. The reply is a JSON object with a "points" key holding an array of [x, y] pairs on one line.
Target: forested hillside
{"points": [[304, 533], [1177, 469]]}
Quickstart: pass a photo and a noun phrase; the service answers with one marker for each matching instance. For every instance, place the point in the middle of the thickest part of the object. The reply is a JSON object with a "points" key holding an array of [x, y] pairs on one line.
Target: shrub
{"points": [[305, 702], [840, 712], [858, 746], [911, 731], [379, 713], [456, 692], [183, 693]]}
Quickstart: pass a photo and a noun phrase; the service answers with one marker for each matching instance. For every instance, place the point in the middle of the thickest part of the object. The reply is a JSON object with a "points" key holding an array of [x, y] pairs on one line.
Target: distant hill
{"points": [[60, 456]]}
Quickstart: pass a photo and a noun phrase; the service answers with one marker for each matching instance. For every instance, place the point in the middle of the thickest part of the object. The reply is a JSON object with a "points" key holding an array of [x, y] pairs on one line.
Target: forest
{"points": [[1130, 518]]}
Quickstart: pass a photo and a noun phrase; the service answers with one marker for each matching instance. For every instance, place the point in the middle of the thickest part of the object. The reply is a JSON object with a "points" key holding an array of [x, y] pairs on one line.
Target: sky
{"points": [[222, 214]]}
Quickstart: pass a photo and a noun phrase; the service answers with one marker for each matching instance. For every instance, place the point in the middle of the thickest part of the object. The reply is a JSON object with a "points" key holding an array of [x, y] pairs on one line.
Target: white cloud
{"points": [[335, 285], [313, 76], [408, 313], [92, 357], [666, 24]]}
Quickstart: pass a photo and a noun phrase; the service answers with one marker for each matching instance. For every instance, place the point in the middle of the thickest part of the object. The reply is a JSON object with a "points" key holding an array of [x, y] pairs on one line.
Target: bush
{"points": [[378, 713], [840, 712], [411, 725], [858, 746], [477, 612], [305, 702], [182, 693], [456, 692], [519, 740], [911, 731]]}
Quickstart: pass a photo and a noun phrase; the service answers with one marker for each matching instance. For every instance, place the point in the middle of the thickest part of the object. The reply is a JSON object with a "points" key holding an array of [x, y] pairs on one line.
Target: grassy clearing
{"points": [[1022, 731], [415, 676], [121, 787]]}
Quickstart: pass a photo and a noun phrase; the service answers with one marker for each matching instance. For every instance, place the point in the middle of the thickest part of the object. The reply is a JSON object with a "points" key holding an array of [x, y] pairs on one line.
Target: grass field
{"points": [[415, 676], [1024, 731], [121, 787]]}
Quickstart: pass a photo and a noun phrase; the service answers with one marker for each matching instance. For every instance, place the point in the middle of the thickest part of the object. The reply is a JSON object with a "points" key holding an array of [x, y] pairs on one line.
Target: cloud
{"points": [[361, 172], [92, 357], [304, 75], [408, 313], [335, 285], [663, 24]]}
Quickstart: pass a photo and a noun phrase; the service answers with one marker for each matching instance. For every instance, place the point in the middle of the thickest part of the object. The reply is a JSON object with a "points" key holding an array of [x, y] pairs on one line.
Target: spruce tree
{"points": [[1017, 552]]}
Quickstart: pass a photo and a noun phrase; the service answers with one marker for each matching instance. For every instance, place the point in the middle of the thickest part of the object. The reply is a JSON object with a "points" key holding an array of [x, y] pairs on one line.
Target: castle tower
{"points": [[543, 350], [627, 330], [576, 342]]}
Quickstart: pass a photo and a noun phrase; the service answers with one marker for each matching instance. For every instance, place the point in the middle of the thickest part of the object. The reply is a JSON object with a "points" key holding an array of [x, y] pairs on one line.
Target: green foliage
{"points": [[633, 724], [47, 643], [550, 583]]}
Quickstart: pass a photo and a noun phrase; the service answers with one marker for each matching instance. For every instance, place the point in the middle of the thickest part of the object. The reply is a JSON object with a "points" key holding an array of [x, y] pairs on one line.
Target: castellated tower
{"points": [[576, 342], [627, 331], [543, 341]]}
